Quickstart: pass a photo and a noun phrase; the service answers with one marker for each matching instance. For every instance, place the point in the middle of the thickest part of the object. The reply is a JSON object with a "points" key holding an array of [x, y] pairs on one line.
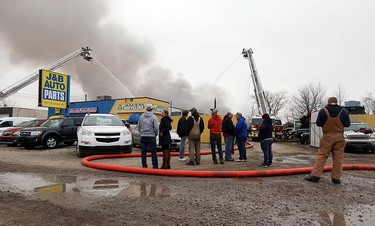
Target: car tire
{"points": [[50, 142], [69, 143], [79, 153]]}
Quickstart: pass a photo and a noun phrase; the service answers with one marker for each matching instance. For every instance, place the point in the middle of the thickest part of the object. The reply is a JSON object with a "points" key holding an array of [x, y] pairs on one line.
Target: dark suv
{"points": [[51, 133]]}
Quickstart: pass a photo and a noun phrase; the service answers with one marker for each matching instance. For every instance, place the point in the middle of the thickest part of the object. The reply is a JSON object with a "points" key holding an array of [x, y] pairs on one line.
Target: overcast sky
{"points": [[294, 43]]}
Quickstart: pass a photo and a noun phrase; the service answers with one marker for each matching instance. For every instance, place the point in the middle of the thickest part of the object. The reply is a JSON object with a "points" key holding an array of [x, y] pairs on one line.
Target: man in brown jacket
{"points": [[332, 118]]}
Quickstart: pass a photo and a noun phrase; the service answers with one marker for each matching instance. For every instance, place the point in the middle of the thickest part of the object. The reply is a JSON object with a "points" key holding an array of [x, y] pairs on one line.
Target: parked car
{"points": [[51, 133], [175, 145], [301, 131], [359, 136], [11, 121], [304, 138], [9, 136], [103, 133]]}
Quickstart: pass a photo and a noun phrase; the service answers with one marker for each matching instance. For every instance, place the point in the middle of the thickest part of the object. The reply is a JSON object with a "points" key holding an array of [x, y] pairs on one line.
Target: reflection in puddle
{"points": [[327, 219], [75, 188], [360, 215]]}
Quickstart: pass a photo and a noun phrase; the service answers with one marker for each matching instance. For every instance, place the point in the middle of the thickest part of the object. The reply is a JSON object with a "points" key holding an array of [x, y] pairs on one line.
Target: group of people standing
{"points": [[192, 127]]}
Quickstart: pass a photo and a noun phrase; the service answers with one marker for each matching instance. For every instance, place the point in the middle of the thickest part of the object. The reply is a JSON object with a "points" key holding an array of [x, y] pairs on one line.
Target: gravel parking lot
{"points": [[52, 187]]}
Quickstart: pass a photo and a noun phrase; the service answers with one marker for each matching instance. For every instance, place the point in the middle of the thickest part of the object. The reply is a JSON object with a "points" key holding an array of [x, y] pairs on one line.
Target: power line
{"points": [[226, 69]]}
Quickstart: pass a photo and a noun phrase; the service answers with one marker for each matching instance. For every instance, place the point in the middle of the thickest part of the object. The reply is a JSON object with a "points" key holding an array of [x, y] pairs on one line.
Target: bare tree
{"points": [[369, 103], [308, 98], [276, 101], [340, 95], [290, 114]]}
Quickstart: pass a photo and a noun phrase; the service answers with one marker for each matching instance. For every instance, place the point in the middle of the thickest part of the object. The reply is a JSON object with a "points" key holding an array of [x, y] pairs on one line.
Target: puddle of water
{"points": [[360, 215], [297, 159], [77, 188]]}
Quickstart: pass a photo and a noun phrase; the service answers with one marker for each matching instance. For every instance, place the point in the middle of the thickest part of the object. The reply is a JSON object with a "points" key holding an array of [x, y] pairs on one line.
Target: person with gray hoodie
{"points": [[149, 128]]}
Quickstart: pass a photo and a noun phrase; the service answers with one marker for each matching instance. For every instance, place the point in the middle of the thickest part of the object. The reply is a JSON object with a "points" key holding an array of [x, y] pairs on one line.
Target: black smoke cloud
{"points": [[38, 32]]}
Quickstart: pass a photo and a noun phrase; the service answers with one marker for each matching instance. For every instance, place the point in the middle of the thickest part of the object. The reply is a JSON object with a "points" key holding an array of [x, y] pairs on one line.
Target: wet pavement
{"points": [[51, 187]]}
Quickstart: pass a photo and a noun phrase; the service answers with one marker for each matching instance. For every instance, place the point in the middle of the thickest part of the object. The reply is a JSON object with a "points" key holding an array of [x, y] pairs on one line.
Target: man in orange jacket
{"points": [[214, 124]]}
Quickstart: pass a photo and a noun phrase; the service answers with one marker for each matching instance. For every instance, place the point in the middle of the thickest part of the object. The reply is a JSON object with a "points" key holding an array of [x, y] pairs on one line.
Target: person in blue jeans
{"points": [[266, 140], [228, 129], [149, 129], [241, 135], [181, 131]]}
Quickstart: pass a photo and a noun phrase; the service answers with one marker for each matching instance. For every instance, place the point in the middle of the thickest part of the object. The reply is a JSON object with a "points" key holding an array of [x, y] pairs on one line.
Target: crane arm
{"points": [[260, 97], [85, 52]]}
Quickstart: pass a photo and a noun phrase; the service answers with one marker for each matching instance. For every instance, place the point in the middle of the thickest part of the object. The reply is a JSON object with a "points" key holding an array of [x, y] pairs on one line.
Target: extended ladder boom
{"points": [[85, 52], [258, 90]]}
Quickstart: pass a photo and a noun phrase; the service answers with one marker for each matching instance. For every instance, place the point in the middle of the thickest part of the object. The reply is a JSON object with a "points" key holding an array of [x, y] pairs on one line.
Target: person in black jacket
{"points": [[165, 138], [266, 140], [228, 130], [194, 129], [181, 131]]}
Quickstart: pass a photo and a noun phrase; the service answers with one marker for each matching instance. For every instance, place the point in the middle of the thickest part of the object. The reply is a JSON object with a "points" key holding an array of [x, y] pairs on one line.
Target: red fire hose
{"points": [[200, 173]]}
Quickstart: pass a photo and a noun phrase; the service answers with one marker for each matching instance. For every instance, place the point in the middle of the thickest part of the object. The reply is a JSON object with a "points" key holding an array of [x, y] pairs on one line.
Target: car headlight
{"points": [[372, 135], [17, 133], [85, 132], [126, 132], [36, 133]]}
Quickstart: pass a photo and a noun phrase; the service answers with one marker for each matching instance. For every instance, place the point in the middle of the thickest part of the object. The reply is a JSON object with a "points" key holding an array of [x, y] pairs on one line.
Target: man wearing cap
{"points": [[149, 128], [194, 129], [214, 125], [332, 118]]}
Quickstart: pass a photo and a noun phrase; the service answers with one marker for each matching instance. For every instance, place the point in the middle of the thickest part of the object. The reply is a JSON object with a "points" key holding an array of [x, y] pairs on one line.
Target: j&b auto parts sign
{"points": [[53, 89]]}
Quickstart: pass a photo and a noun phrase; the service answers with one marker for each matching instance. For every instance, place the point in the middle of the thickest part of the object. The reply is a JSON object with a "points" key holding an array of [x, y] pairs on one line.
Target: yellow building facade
{"points": [[128, 106], [369, 119]]}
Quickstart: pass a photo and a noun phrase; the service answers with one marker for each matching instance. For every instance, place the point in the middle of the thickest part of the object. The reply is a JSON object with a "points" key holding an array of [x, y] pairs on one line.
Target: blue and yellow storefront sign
{"points": [[53, 89], [138, 105]]}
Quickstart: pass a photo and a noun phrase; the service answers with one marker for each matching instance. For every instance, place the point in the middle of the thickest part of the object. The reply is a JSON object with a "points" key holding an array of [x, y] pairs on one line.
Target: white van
{"points": [[7, 122]]}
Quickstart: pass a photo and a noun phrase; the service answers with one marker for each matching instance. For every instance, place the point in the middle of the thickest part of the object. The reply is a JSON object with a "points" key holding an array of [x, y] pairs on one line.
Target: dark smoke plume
{"points": [[38, 32]]}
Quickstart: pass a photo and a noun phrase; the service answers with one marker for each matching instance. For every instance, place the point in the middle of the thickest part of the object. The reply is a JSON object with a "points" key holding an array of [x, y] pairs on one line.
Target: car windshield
{"points": [[52, 122], [357, 126], [256, 121], [276, 122], [102, 120]]}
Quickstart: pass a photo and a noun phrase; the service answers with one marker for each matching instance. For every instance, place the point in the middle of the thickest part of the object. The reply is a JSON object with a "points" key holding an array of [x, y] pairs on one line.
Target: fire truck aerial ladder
{"points": [[262, 103], [85, 52]]}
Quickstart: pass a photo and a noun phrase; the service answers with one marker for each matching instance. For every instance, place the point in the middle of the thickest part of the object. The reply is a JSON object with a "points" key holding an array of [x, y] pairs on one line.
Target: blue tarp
{"points": [[133, 119]]}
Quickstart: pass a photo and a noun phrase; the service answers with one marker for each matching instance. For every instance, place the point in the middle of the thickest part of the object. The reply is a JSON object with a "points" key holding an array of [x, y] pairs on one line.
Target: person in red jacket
{"points": [[214, 124]]}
